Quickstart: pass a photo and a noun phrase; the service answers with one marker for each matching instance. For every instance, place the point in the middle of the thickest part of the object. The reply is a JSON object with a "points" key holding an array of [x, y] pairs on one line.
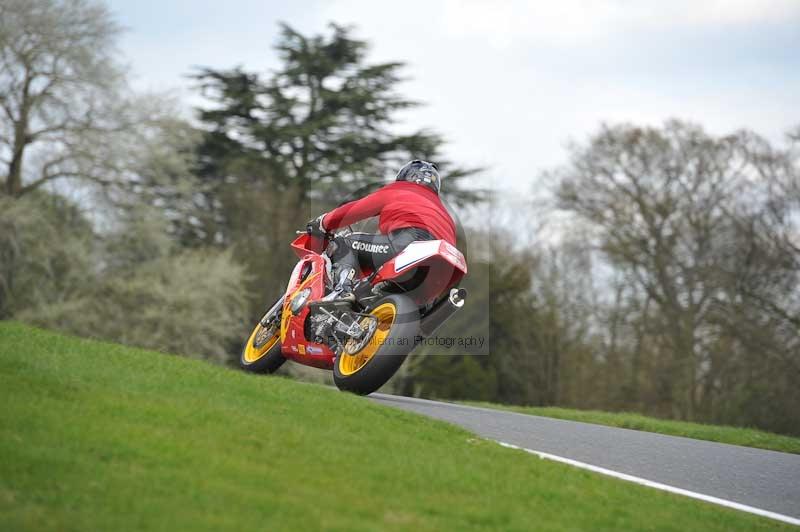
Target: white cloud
{"points": [[575, 22], [508, 83]]}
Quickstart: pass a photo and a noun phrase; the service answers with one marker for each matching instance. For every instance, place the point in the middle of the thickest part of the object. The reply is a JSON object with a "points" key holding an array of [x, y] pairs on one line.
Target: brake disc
{"points": [[264, 335], [354, 345]]}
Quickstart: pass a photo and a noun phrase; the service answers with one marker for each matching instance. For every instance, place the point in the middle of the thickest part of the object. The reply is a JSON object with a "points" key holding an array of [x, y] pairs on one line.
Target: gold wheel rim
{"points": [[350, 364], [252, 353]]}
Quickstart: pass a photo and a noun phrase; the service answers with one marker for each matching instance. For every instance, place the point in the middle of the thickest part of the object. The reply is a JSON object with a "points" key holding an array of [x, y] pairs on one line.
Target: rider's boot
{"points": [[343, 289]]}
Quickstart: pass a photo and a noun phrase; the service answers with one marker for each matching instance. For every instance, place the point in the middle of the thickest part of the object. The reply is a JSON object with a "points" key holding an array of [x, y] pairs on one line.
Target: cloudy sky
{"points": [[510, 82]]}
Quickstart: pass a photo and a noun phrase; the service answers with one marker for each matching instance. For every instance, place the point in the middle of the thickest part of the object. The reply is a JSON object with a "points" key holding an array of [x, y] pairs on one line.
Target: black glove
{"points": [[314, 227]]}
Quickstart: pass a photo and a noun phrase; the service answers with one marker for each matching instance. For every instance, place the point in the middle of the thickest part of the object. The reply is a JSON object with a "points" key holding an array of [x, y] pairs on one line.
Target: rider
{"points": [[409, 209]]}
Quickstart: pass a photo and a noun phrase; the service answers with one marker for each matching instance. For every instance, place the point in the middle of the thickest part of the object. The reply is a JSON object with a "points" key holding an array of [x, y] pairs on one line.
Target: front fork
{"points": [[270, 315]]}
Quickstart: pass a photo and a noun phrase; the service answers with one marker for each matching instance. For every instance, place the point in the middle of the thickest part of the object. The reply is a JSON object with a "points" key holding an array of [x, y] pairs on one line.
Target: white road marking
{"points": [[658, 485]]}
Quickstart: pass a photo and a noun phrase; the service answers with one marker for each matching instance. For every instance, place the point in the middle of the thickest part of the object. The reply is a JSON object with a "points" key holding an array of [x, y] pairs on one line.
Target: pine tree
{"points": [[319, 129]]}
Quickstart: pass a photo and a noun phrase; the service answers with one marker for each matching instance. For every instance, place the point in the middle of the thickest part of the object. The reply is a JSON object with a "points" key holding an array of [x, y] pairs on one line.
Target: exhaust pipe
{"points": [[442, 311]]}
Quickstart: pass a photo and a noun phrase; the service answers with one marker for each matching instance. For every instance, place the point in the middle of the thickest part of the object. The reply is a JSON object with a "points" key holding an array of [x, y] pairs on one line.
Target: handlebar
{"points": [[313, 233]]}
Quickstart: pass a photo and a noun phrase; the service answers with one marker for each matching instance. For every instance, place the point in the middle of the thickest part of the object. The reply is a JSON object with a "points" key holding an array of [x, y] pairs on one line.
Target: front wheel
{"points": [[262, 352], [366, 365]]}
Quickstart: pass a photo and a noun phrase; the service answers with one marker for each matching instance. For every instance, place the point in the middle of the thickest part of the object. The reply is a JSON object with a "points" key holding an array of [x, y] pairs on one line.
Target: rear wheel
{"points": [[262, 352], [366, 365]]}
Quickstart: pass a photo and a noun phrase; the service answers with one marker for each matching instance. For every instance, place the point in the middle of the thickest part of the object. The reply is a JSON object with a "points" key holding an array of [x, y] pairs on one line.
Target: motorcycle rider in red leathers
{"points": [[409, 209]]}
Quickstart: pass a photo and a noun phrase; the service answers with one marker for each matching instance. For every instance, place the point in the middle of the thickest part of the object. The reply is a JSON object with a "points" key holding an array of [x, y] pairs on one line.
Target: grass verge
{"points": [[733, 435], [96, 436]]}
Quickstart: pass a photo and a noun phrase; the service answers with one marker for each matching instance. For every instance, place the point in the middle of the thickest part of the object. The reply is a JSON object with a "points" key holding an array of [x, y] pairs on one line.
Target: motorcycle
{"points": [[365, 341]]}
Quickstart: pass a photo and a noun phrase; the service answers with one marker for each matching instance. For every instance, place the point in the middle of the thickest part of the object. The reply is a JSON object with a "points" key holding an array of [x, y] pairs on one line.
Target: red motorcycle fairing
{"points": [[309, 273], [442, 264], [305, 244]]}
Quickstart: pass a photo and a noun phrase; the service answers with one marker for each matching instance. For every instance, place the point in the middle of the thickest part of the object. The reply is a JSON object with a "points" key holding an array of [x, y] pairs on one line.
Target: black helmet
{"points": [[422, 173]]}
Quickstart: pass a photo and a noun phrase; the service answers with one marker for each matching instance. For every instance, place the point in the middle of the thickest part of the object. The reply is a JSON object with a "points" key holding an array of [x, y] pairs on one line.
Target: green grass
{"points": [[95, 436], [628, 420]]}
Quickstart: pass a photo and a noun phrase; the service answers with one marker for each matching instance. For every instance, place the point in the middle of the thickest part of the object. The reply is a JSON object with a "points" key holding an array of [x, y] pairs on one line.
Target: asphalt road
{"points": [[767, 480]]}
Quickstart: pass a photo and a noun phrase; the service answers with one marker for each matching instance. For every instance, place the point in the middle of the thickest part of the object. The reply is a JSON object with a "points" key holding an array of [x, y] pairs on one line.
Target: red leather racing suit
{"points": [[407, 212], [399, 205]]}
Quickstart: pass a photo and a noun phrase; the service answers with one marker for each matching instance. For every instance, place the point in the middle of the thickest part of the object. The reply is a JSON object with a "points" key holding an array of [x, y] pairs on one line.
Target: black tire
{"points": [[389, 353], [264, 358]]}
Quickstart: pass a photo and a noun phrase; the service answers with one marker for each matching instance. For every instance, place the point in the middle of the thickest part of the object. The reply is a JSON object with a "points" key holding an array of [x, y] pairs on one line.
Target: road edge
{"points": [[657, 485]]}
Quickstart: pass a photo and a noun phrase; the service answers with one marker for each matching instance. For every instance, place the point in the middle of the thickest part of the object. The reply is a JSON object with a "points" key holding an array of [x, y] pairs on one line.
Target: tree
{"points": [[133, 285], [59, 92], [773, 226], [685, 217], [318, 128], [46, 252]]}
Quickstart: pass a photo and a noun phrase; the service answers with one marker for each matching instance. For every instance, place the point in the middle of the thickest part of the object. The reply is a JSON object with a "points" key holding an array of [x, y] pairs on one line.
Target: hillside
{"points": [[95, 436]]}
